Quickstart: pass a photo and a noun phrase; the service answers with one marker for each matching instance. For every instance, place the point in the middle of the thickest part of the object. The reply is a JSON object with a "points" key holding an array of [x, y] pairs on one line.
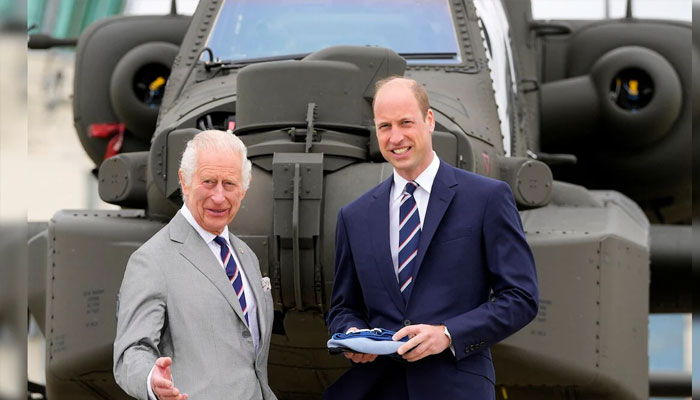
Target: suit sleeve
{"points": [[140, 320], [347, 304], [512, 278]]}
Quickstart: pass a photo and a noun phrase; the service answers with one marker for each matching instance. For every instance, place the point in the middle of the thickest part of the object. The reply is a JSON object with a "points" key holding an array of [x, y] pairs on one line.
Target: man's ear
{"points": [[243, 192], [183, 187], [430, 120]]}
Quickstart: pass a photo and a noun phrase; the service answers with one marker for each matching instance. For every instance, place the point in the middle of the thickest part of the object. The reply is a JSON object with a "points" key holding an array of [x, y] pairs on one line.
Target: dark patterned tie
{"points": [[409, 236], [233, 274]]}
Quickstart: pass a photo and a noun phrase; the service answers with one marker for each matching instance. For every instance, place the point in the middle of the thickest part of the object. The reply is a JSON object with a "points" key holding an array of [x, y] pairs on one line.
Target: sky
{"points": [[596, 9], [541, 9]]}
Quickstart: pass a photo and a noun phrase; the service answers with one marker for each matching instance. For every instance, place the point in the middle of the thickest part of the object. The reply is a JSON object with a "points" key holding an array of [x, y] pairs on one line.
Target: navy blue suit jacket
{"points": [[474, 273]]}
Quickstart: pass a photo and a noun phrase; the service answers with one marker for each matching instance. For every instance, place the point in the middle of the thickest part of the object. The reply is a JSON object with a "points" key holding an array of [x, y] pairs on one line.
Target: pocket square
{"points": [[265, 282]]}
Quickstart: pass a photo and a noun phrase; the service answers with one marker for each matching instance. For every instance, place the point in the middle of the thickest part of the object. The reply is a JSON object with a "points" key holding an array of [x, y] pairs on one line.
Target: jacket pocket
{"points": [[452, 234]]}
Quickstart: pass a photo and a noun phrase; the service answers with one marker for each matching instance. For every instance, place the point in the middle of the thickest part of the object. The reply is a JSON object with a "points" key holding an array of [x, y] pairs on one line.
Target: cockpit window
{"points": [[421, 30]]}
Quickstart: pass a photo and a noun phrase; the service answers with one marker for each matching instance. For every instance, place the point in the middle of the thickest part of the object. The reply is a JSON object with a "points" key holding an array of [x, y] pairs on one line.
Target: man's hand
{"points": [[162, 381], [425, 340], [359, 357]]}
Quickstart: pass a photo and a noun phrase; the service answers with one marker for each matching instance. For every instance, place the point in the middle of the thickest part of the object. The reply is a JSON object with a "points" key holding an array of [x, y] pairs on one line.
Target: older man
{"points": [[195, 315], [435, 253]]}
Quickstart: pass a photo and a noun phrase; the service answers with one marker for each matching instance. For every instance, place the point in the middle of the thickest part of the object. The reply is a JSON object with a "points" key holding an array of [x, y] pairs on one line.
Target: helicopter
{"points": [[589, 122]]}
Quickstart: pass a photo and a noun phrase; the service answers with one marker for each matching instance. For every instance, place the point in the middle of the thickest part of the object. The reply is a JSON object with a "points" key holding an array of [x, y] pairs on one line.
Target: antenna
{"points": [[173, 7], [629, 9]]}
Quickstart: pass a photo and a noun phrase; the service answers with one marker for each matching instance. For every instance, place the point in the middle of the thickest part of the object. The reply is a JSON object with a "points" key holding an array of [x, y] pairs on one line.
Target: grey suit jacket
{"points": [[176, 301]]}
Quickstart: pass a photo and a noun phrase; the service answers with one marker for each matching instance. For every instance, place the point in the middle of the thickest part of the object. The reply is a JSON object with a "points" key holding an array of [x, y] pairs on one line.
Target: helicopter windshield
{"points": [[263, 28]]}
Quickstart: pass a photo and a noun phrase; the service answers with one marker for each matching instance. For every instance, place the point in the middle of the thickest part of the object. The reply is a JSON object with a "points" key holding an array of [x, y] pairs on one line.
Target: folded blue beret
{"points": [[369, 341]]}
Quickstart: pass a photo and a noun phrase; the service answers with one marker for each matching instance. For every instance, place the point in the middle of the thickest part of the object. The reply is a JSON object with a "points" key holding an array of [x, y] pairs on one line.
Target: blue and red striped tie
{"points": [[234, 275], [409, 236]]}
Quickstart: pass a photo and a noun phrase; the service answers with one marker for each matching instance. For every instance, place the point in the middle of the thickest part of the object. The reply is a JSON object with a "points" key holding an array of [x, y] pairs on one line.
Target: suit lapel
{"points": [[201, 257], [378, 223], [441, 196], [249, 266]]}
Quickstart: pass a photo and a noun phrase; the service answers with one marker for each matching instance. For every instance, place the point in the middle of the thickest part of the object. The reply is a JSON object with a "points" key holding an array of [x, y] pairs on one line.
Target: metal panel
{"points": [[297, 189], [589, 257], [93, 246]]}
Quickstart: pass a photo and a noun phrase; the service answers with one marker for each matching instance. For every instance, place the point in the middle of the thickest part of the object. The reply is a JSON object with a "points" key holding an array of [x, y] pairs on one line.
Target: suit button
{"points": [[466, 349], [246, 334], [407, 322], [482, 343]]}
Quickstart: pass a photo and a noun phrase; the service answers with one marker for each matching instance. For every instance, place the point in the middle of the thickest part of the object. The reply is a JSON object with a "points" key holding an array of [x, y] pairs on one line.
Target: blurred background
{"points": [[43, 168], [13, 210]]}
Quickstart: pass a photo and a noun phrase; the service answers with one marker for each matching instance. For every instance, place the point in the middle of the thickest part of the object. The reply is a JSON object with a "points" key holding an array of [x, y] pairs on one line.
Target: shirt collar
{"points": [[424, 180], [206, 235]]}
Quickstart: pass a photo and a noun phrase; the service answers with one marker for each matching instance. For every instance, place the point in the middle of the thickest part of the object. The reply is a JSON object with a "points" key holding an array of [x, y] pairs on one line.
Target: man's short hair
{"points": [[418, 92], [214, 140]]}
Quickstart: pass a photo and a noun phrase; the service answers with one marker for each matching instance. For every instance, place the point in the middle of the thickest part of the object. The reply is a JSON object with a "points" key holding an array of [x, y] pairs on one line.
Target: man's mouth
{"points": [[217, 212], [401, 150]]}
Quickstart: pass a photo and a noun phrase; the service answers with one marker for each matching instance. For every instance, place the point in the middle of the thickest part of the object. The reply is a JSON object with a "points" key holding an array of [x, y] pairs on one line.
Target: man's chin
{"points": [[216, 225], [402, 166]]}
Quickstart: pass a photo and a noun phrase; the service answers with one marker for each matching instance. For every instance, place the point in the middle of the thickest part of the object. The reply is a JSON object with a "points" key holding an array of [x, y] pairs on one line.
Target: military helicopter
{"points": [[588, 121]]}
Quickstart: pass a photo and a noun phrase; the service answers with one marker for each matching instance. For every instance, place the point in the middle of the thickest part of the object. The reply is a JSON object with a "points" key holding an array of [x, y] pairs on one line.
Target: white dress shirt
{"points": [[208, 238], [421, 195]]}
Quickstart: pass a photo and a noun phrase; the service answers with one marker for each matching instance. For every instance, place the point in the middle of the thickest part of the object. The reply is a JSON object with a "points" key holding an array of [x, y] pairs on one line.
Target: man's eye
{"points": [[407, 122]]}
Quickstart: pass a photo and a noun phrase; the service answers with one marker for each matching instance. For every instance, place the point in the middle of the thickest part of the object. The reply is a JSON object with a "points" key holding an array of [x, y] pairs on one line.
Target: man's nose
{"points": [[396, 136], [218, 193]]}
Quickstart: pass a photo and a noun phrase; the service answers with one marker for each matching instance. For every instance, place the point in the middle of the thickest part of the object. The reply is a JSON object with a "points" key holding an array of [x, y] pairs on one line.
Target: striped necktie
{"points": [[409, 236], [233, 274]]}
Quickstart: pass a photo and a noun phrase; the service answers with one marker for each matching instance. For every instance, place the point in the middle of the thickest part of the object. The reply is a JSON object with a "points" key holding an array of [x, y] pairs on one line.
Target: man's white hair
{"points": [[218, 141]]}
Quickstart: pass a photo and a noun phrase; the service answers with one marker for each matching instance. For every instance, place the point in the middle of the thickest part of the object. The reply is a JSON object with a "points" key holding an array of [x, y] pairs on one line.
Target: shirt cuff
{"points": [[452, 347], [152, 395]]}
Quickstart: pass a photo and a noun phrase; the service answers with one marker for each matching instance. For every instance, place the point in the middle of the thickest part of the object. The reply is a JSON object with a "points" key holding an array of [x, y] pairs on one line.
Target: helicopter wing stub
{"points": [[87, 255]]}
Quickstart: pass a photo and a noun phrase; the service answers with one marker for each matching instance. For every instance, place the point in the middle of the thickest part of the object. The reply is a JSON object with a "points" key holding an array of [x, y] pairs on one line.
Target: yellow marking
{"points": [[504, 393], [157, 83], [634, 87]]}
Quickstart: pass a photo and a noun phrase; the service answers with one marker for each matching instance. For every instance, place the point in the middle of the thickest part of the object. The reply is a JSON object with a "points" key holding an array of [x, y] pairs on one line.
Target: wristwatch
{"points": [[447, 333]]}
